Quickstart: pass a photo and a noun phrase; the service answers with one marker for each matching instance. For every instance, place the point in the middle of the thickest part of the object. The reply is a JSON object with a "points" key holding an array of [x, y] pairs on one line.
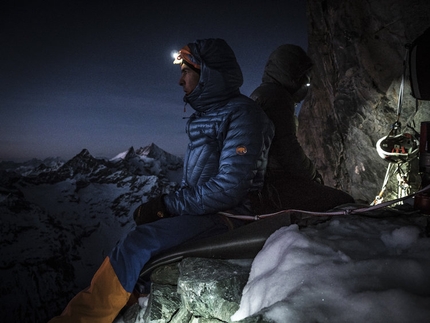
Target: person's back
{"points": [[292, 180], [284, 84]]}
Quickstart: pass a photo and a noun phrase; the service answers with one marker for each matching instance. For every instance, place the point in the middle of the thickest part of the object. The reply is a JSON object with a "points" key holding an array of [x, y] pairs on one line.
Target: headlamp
{"points": [[185, 56], [177, 58]]}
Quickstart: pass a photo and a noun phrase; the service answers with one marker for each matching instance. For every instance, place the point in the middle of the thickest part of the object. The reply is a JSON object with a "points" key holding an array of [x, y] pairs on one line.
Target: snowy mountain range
{"points": [[59, 219]]}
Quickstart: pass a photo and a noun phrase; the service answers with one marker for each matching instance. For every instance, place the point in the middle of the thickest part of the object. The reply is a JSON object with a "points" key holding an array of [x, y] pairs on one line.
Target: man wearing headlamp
{"points": [[224, 166]]}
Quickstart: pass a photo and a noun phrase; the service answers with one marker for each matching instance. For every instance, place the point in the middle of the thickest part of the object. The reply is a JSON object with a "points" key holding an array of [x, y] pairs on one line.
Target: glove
{"points": [[151, 211]]}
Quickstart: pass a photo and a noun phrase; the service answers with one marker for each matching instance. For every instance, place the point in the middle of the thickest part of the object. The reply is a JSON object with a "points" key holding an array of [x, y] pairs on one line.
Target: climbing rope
{"points": [[347, 210], [378, 199]]}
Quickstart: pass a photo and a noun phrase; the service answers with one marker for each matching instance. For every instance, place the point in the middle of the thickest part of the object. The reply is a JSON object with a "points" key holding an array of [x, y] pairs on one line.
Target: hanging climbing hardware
{"points": [[398, 149]]}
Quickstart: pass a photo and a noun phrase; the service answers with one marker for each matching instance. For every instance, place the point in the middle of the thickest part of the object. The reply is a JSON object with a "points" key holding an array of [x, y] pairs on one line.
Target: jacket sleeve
{"points": [[244, 140]]}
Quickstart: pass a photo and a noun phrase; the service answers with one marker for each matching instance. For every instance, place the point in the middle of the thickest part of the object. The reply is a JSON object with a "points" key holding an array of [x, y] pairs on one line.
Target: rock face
{"points": [[358, 48], [194, 290]]}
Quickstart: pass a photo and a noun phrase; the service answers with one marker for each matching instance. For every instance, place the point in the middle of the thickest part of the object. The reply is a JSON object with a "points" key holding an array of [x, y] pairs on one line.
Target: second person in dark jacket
{"points": [[292, 180]]}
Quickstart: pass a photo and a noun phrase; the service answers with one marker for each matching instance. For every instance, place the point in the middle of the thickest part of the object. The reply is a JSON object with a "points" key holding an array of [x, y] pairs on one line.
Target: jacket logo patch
{"points": [[241, 150]]}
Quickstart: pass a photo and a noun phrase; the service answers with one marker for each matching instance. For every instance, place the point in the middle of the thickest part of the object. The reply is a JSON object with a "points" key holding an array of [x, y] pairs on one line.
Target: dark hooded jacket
{"points": [[229, 138], [278, 94]]}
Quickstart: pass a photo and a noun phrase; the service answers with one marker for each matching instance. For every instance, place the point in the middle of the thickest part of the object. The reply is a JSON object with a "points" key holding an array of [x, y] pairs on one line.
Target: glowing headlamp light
{"points": [[177, 58], [185, 56]]}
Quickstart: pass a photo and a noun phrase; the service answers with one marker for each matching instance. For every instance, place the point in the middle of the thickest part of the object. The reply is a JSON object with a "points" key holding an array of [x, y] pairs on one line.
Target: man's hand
{"points": [[150, 211]]}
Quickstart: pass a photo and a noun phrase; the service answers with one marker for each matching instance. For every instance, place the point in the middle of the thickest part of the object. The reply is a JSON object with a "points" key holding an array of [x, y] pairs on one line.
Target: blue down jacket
{"points": [[229, 138]]}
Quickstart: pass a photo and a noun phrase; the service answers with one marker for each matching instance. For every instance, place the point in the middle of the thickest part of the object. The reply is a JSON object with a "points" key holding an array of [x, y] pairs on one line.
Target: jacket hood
{"points": [[220, 77], [286, 66]]}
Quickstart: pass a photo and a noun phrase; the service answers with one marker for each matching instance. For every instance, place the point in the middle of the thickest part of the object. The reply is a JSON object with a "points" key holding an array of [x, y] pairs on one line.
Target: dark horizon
{"points": [[100, 76]]}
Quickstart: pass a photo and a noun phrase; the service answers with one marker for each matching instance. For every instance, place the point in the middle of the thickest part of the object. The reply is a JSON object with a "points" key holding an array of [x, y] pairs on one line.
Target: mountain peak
{"points": [[125, 155], [83, 163], [84, 155], [84, 152], [149, 151], [155, 152], [130, 153]]}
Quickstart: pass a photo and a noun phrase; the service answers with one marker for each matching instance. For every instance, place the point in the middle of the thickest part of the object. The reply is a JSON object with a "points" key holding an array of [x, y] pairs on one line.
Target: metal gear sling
{"points": [[397, 148]]}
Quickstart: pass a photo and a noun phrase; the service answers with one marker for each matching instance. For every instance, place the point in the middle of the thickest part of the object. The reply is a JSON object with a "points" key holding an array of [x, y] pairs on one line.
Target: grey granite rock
{"points": [[164, 302], [212, 288], [196, 290], [358, 48]]}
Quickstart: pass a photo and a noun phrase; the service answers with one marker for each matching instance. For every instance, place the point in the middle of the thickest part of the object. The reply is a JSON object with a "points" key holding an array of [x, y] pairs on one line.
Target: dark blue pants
{"points": [[147, 240], [114, 281]]}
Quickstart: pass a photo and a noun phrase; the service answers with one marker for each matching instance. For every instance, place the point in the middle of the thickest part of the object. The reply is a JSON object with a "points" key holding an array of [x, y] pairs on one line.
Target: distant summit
{"points": [[148, 160], [32, 166], [154, 152]]}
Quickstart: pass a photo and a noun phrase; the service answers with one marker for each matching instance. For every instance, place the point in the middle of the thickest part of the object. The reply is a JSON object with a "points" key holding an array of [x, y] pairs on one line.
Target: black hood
{"points": [[286, 66]]}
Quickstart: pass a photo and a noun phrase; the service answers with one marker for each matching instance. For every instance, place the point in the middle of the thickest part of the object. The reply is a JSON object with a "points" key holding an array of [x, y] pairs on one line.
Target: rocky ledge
{"points": [[195, 290], [336, 269]]}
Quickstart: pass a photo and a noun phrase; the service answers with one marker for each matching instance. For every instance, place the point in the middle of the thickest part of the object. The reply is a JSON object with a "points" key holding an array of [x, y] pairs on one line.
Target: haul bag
{"points": [[419, 64]]}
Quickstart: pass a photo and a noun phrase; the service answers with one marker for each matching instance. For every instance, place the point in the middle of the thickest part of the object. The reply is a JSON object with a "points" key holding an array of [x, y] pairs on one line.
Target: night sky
{"points": [[99, 74]]}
